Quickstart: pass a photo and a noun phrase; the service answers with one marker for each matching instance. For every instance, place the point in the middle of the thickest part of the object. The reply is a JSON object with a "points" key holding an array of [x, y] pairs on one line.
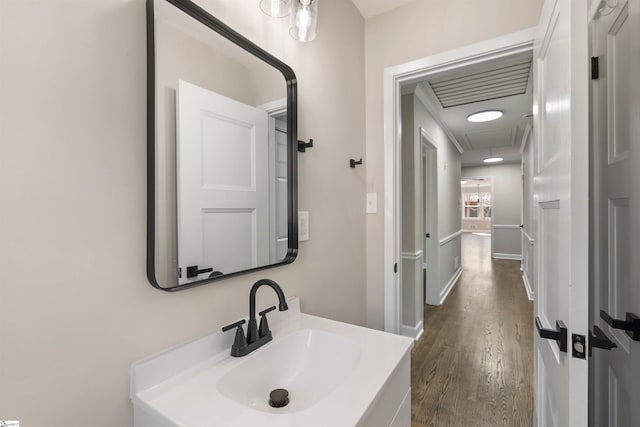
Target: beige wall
{"points": [[77, 309], [417, 30]]}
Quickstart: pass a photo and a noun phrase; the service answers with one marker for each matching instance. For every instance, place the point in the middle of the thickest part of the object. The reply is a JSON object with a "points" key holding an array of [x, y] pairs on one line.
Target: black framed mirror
{"points": [[221, 151]]}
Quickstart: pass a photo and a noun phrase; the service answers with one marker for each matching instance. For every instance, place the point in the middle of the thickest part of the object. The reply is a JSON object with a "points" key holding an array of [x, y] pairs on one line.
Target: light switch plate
{"points": [[372, 202], [303, 226]]}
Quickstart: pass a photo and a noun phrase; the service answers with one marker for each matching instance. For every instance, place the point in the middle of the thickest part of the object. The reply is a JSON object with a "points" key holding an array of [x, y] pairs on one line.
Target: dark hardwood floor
{"points": [[473, 365]]}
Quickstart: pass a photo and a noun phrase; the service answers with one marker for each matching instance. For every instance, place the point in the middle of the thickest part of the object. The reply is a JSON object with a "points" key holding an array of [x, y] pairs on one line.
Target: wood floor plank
{"points": [[473, 365]]}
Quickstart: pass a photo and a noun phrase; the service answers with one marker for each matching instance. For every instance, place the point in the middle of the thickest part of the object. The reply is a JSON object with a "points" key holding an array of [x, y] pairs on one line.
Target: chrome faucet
{"points": [[256, 336]]}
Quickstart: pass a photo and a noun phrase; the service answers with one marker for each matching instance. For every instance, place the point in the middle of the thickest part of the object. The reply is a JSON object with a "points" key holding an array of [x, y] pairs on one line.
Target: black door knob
{"points": [[631, 324], [559, 334], [599, 339]]}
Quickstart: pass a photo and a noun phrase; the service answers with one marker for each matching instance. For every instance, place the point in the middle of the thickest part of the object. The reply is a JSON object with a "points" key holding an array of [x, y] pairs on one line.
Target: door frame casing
{"points": [[275, 110], [394, 78]]}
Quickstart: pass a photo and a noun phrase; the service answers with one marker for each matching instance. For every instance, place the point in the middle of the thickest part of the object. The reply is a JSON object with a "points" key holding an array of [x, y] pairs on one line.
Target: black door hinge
{"points": [[595, 68], [395, 267]]}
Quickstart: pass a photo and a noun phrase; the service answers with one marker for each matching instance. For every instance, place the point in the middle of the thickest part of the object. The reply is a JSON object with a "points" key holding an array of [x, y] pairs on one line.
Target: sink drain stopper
{"points": [[279, 398]]}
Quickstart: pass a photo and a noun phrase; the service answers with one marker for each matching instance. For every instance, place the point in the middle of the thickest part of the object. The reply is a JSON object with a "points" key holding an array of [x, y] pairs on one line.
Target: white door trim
{"points": [[394, 77], [275, 109]]}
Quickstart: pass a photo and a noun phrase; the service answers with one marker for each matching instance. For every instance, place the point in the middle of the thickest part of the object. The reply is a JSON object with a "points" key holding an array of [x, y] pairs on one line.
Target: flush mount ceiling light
{"points": [[484, 116], [493, 159], [275, 8], [304, 18]]}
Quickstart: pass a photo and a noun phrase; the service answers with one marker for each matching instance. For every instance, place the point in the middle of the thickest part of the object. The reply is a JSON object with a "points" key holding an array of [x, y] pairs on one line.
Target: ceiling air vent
{"points": [[497, 82]]}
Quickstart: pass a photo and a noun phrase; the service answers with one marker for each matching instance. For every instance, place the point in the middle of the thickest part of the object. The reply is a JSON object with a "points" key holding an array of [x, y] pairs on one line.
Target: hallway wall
{"points": [[413, 31], [506, 206], [414, 118]]}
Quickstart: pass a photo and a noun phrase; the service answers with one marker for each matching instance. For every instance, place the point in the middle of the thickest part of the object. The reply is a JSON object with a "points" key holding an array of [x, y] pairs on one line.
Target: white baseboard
{"points": [[527, 285], [454, 279], [515, 257], [414, 332]]}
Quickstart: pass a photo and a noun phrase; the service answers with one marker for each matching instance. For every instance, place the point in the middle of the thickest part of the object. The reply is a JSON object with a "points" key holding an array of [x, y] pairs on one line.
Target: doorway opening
{"points": [[476, 206], [402, 80], [431, 149]]}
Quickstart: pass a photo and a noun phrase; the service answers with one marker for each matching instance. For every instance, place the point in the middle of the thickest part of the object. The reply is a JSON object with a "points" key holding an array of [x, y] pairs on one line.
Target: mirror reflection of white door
{"points": [[223, 182], [561, 203], [616, 110]]}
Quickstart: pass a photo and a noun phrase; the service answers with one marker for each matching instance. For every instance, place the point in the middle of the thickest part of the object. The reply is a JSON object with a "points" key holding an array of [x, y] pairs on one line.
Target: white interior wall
{"points": [[77, 309], [506, 206], [416, 30]]}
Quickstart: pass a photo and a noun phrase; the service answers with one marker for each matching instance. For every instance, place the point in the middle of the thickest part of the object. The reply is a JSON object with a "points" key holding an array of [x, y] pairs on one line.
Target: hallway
{"points": [[473, 365]]}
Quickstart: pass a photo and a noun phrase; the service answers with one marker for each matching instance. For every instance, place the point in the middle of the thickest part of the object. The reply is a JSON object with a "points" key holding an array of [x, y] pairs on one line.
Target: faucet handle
{"points": [[238, 324], [263, 329], [239, 342], [267, 310]]}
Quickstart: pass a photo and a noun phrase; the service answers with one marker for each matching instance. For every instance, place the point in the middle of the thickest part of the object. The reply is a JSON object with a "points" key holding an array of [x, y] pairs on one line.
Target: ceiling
{"points": [[503, 84], [369, 8], [471, 184]]}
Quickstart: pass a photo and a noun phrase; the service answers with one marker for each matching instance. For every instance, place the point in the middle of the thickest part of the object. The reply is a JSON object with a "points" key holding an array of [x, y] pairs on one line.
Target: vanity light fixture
{"points": [[484, 116], [304, 19], [303, 16], [275, 8]]}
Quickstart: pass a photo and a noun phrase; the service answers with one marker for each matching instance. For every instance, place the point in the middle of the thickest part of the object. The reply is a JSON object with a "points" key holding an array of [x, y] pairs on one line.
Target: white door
{"points": [[616, 134], [431, 245], [561, 203], [223, 183]]}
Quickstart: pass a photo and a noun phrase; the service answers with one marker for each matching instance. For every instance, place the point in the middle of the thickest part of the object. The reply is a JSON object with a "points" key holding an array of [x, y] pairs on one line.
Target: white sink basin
{"points": [[308, 363], [337, 375]]}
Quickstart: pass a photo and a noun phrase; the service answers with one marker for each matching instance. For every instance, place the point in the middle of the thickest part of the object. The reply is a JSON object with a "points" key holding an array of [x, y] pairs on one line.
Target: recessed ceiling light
{"points": [[463, 182], [484, 116], [493, 159]]}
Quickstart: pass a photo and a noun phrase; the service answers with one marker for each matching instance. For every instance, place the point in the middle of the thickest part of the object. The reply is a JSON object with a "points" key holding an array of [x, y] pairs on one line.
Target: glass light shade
{"points": [[485, 116], [493, 159], [303, 21], [275, 8]]}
